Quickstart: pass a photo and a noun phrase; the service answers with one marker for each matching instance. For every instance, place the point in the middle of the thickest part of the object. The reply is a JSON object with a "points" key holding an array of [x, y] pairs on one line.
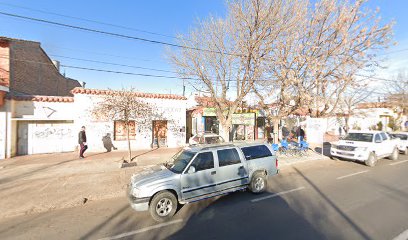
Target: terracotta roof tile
{"points": [[79, 90]]}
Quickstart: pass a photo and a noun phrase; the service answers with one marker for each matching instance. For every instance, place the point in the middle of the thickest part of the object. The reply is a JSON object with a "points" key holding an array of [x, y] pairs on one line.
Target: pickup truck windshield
{"points": [[361, 137], [181, 159]]}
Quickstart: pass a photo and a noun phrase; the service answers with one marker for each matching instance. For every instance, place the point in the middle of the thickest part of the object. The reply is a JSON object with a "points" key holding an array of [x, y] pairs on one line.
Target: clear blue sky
{"points": [[164, 17]]}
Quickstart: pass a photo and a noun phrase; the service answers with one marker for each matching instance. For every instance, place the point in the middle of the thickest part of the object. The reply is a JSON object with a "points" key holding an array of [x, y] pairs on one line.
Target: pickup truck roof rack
{"points": [[218, 146]]}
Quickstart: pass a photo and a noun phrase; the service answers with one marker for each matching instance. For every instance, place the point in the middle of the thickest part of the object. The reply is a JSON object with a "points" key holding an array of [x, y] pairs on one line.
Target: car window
{"points": [[181, 160], [377, 137], [362, 137], [400, 136], [228, 157], [203, 161], [384, 136], [254, 152]]}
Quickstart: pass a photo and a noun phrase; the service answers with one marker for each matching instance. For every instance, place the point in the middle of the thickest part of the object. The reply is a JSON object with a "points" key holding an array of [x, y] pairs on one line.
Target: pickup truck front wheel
{"points": [[258, 183], [163, 206], [372, 160], [394, 154]]}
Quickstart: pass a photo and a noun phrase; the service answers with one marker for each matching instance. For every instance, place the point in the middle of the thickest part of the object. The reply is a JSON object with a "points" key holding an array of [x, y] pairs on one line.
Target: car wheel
{"points": [[372, 160], [163, 206], [258, 183], [394, 154]]}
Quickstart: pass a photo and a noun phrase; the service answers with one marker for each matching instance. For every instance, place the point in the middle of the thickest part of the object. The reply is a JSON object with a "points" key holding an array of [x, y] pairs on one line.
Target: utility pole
{"points": [[184, 89]]}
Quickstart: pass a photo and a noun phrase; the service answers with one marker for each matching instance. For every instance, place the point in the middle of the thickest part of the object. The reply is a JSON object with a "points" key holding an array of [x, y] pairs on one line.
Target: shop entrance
{"points": [[159, 133]]}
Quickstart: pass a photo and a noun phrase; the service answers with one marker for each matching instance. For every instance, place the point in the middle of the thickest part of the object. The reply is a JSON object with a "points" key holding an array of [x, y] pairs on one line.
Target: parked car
{"points": [[206, 138], [366, 146], [402, 138], [202, 172]]}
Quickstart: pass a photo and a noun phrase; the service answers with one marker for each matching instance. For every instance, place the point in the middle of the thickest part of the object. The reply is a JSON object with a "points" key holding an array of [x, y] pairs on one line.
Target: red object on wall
{"points": [[4, 63], [2, 96]]}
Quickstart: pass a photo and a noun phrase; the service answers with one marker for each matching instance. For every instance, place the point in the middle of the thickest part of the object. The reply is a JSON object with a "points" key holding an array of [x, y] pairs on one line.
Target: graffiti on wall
{"points": [[53, 132]]}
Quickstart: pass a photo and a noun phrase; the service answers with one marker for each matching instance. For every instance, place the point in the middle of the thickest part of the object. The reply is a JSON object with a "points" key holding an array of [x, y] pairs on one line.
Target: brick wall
{"points": [[32, 71]]}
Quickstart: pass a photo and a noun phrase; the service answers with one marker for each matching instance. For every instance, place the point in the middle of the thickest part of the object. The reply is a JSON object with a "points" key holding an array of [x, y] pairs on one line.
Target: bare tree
{"points": [[316, 62], [226, 56], [350, 100], [397, 94], [124, 105]]}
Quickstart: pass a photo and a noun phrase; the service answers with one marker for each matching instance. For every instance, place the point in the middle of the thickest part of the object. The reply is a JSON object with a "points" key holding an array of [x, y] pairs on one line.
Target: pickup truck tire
{"points": [[163, 206], [394, 154], [258, 183], [371, 160]]}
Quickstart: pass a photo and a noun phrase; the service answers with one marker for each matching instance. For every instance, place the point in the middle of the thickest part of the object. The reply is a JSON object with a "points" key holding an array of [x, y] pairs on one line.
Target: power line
{"points": [[87, 20], [111, 33], [114, 64], [110, 55], [144, 68]]}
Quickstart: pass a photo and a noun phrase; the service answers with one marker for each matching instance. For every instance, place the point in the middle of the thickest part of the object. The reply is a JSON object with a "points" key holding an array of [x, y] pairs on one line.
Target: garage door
{"points": [[48, 137]]}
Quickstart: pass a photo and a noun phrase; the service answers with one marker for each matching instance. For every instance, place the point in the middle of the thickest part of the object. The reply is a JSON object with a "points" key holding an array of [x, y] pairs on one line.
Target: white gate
{"points": [[45, 137]]}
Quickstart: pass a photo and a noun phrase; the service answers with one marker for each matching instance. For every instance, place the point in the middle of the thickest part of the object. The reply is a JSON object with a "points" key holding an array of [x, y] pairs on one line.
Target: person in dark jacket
{"points": [[82, 142]]}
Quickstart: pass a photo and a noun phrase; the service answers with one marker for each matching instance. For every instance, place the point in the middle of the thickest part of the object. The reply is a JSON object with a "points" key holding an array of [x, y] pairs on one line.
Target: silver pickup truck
{"points": [[202, 172]]}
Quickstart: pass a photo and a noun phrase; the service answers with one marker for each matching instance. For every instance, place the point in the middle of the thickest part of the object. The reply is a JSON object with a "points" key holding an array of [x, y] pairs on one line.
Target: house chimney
{"points": [[56, 64]]}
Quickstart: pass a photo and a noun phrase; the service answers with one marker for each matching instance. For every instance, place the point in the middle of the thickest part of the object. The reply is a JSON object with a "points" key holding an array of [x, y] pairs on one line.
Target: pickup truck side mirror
{"points": [[191, 169]]}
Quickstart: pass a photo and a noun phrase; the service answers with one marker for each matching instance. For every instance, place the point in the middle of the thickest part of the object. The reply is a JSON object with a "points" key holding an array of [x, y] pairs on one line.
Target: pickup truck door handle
{"points": [[213, 172]]}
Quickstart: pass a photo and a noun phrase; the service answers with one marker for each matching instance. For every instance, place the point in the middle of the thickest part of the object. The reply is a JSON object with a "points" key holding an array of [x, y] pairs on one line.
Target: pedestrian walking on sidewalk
{"points": [[82, 142]]}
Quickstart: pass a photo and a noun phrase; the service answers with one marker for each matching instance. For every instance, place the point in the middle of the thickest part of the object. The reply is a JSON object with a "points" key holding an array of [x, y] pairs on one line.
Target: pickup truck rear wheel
{"points": [[394, 154], [258, 183], [372, 160], [163, 206]]}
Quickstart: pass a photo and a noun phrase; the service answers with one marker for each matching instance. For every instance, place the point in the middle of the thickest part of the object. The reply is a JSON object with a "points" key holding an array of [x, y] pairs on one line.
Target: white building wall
{"points": [[174, 111]]}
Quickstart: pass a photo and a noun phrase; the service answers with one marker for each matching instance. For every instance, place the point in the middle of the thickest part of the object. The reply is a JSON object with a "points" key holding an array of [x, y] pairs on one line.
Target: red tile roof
{"points": [[89, 91], [41, 98], [373, 105]]}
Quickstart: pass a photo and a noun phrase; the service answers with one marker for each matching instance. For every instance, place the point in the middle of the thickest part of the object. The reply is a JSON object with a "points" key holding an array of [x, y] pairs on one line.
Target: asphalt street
{"points": [[313, 200]]}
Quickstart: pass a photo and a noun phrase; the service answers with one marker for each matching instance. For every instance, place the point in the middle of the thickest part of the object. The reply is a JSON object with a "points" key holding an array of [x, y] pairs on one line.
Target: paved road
{"points": [[320, 200]]}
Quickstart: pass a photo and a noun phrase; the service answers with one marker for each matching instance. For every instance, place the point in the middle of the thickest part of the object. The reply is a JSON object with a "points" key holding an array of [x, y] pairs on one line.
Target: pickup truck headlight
{"points": [[361, 149]]}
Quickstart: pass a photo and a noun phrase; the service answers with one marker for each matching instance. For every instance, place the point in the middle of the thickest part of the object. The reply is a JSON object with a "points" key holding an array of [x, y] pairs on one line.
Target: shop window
{"points": [[121, 132]]}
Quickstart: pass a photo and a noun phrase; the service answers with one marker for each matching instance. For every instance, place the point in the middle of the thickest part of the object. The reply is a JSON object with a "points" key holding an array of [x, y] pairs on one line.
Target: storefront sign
{"points": [[237, 118], [244, 119], [209, 112]]}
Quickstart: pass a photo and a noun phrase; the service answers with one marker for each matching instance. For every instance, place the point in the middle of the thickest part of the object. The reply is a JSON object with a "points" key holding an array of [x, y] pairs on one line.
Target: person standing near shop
{"points": [[82, 142]]}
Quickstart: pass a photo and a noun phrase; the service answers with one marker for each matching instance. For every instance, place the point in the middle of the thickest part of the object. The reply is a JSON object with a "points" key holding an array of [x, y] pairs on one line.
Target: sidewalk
{"points": [[39, 183]]}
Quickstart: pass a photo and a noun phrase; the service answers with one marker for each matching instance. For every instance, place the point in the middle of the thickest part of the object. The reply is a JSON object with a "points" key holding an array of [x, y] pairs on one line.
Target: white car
{"points": [[206, 138], [366, 146], [402, 141]]}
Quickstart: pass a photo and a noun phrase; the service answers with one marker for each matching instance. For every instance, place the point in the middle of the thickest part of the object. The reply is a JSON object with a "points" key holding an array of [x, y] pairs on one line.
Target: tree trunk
{"points": [[128, 140], [225, 129], [275, 130]]}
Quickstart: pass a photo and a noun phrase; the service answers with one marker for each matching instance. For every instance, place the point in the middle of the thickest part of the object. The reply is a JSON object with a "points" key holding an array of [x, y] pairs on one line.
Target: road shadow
{"points": [[326, 149], [320, 210], [234, 216]]}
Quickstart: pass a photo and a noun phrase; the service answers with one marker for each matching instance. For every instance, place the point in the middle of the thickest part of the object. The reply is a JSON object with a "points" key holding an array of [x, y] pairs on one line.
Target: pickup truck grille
{"points": [[346, 148]]}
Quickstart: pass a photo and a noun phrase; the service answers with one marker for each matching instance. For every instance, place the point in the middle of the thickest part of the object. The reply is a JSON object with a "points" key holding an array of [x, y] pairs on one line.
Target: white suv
{"points": [[366, 146]]}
